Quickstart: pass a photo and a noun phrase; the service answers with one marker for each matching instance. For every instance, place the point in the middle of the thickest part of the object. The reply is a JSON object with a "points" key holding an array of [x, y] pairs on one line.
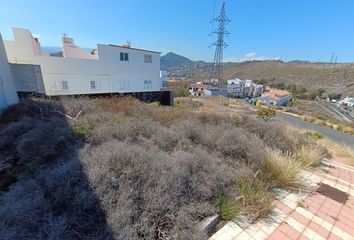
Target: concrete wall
{"points": [[8, 93], [108, 72], [28, 78]]}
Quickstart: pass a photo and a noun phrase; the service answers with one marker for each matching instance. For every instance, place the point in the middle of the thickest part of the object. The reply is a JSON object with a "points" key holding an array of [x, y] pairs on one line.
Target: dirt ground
{"points": [[218, 104], [318, 109]]}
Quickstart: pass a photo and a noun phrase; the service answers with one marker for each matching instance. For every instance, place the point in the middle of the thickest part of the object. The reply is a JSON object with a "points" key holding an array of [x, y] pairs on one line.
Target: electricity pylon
{"points": [[217, 69]]}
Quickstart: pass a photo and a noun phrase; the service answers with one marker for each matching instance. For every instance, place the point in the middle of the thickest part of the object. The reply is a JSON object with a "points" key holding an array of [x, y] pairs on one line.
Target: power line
{"points": [[251, 16], [243, 10]]}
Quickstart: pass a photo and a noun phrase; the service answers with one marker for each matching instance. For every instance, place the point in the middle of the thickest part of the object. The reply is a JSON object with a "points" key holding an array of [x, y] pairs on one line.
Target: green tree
{"points": [[181, 92], [266, 113]]}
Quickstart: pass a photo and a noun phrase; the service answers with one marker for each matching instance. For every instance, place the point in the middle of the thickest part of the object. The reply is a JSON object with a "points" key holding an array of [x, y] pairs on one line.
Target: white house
{"points": [[107, 69], [244, 88], [8, 93]]}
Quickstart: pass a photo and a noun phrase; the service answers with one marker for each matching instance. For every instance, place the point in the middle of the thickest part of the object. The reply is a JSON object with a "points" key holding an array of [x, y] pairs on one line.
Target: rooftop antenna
{"points": [[217, 68]]}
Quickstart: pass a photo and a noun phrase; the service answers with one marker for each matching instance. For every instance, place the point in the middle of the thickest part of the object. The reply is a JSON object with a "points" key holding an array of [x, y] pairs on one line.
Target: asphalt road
{"points": [[331, 134]]}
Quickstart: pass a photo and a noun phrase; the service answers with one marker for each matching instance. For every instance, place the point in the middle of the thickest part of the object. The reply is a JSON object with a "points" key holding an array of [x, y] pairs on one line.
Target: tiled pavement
{"points": [[306, 214]]}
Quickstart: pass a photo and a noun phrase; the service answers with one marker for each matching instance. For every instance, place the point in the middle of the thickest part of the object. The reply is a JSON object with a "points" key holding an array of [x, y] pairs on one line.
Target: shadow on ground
{"points": [[44, 192]]}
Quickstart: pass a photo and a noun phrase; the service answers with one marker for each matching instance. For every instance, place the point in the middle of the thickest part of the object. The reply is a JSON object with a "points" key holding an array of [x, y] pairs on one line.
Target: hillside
{"points": [[309, 75], [174, 60]]}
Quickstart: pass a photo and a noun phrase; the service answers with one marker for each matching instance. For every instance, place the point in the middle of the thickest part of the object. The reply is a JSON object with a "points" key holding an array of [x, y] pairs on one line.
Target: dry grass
{"points": [[310, 155], [340, 150], [325, 123], [282, 168], [257, 197]]}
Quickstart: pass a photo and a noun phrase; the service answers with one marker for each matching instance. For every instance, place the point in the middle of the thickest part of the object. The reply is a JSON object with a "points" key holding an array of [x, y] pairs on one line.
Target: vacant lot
{"points": [[121, 169]]}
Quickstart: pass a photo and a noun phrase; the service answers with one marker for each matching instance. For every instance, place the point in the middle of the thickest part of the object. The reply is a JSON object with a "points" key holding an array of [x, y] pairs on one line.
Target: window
{"points": [[147, 58], [164, 84], [147, 84], [93, 84], [64, 85], [124, 56]]}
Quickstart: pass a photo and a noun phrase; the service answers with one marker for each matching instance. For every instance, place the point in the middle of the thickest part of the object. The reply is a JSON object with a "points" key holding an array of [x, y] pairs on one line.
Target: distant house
{"points": [[348, 101], [244, 88], [197, 89], [273, 96]]}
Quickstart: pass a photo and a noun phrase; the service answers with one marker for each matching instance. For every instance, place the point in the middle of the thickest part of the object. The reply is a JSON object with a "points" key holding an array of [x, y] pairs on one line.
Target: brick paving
{"points": [[306, 214]]}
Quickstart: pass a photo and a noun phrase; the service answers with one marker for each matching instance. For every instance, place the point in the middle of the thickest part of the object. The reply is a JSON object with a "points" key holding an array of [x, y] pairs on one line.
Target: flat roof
{"points": [[138, 49]]}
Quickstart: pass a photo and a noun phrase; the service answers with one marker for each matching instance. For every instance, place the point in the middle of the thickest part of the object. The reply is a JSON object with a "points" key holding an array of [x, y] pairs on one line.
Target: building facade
{"points": [[107, 69], [277, 97], [173, 85], [8, 94], [244, 88]]}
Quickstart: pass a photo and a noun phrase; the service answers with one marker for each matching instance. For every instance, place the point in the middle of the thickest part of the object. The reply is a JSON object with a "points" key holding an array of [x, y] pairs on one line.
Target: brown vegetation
{"points": [[127, 170]]}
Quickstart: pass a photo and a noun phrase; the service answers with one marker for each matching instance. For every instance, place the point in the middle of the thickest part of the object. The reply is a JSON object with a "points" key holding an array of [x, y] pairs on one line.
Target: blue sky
{"points": [[260, 29]]}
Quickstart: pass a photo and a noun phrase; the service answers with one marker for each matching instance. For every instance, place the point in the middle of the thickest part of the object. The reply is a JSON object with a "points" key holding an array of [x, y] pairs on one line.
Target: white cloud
{"points": [[250, 57]]}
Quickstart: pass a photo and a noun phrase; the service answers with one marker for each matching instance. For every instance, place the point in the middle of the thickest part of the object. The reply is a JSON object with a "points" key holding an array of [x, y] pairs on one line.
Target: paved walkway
{"points": [[324, 210]]}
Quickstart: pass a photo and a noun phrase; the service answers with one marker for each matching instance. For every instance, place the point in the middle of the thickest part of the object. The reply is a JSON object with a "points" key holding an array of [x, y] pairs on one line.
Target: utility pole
{"points": [[217, 68]]}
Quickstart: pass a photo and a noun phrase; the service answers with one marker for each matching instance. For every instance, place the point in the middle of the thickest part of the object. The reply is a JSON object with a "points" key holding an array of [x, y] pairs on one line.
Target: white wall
{"points": [[8, 94], [110, 74], [70, 50]]}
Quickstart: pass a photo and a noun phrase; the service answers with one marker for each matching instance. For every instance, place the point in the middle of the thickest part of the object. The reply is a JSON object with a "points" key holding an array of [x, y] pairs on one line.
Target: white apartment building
{"points": [[8, 93], [107, 69], [244, 88]]}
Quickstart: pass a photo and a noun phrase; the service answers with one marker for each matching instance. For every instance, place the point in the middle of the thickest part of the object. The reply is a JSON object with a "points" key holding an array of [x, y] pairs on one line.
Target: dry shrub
{"points": [[153, 185], [166, 139], [233, 143], [277, 135], [13, 113], [155, 172], [168, 115], [15, 130], [130, 129], [211, 118], [44, 143], [126, 105], [57, 203]]}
